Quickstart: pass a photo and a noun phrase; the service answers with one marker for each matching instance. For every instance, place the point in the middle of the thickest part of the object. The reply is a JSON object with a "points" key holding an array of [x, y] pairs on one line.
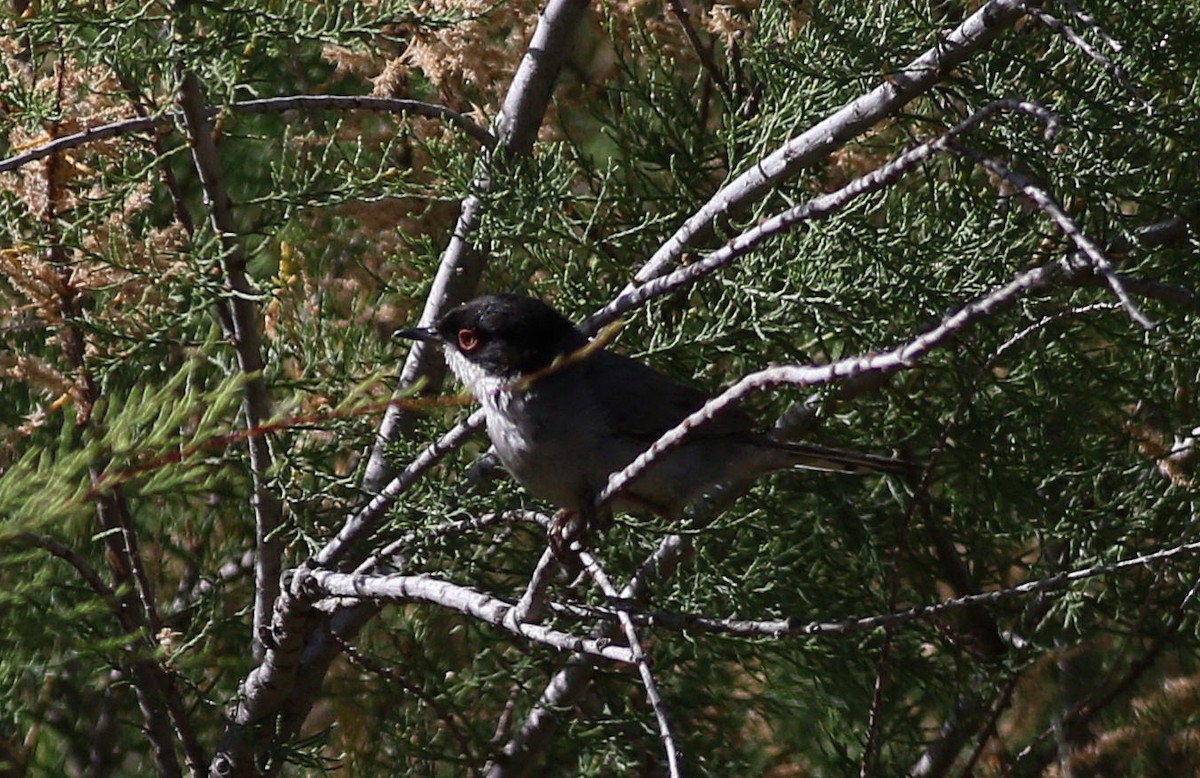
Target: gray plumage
{"points": [[579, 419]]}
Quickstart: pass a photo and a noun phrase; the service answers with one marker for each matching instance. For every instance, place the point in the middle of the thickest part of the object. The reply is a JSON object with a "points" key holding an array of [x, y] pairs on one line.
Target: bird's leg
{"points": [[565, 530], [571, 530]]}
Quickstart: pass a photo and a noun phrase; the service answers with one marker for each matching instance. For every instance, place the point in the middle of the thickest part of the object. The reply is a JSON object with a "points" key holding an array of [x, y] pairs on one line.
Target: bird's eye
{"points": [[468, 339]]}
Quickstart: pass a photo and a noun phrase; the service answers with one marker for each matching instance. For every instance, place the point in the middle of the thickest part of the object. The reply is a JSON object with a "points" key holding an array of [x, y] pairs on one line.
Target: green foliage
{"points": [[1047, 427]]}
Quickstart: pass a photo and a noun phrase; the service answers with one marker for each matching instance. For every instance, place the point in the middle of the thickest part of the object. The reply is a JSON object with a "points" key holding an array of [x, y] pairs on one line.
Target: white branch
{"points": [[819, 207], [814, 375], [643, 665], [974, 34], [795, 626], [1042, 199], [464, 599], [359, 525]]}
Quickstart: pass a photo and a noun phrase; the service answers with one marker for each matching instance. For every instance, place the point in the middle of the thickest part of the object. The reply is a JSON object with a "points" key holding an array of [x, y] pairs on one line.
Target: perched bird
{"points": [[563, 415]]}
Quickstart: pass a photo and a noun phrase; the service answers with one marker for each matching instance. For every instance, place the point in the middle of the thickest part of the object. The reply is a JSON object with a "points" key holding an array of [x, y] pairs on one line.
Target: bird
{"points": [[563, 414]]}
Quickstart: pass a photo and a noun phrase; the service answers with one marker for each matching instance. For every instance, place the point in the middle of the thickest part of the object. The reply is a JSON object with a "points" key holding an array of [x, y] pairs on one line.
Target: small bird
{"points": [[563, 415]]}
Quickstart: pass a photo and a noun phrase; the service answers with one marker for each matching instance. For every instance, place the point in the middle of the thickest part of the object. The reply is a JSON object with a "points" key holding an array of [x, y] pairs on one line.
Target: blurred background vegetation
{"points": [[1059, 433]]}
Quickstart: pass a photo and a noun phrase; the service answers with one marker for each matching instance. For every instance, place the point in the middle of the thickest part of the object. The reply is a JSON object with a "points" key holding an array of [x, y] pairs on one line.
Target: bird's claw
{"points": [[567, 533]]}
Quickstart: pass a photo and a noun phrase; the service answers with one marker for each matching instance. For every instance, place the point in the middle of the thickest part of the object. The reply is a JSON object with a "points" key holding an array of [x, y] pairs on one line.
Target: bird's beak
{"points": [[418, 333]]}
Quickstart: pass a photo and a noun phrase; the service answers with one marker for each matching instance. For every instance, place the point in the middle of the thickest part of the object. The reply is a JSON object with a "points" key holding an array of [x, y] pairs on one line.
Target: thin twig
{"points": [[69, 555], [246, 339], [1042, 199], [797, 626], [988, 730], [264, 105], [939, 754], [703, 53], [158, 696], [671, 748], [883, 663], [143, 108], [1112, 68], [531, 737], [136, 613]]}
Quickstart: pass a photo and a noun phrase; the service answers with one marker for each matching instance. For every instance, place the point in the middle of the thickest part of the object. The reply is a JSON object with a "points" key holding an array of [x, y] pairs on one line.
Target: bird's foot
{"points": [[568, 533]]}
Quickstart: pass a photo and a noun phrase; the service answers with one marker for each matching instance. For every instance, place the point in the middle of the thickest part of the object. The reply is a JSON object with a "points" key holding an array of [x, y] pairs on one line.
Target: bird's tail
{"points": [[810, 457]]}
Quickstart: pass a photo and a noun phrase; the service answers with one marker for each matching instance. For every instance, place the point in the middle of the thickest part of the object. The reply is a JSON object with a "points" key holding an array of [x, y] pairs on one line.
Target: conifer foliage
{"points": [[245, 532]]}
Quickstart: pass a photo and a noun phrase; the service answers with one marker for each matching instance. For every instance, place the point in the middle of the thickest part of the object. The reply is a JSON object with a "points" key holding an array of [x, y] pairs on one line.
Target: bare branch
{"points": [[264, 105], [639, 657], [816, 375], [462, 266], [68, 555], [1042, 199], [816, 208], [968, 39], [533, 602], [247, 343], [267, 685], [359, 526], [796, 626], [472, 602], [704, 54], [1112, 68], [517, 756]]}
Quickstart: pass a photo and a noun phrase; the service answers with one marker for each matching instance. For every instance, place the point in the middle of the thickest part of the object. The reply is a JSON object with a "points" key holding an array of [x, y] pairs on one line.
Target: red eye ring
{"points": [[468, 339]]}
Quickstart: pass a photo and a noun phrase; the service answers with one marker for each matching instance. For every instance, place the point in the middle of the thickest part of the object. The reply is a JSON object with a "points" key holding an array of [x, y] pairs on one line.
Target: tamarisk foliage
{"points": [[244, 532]]}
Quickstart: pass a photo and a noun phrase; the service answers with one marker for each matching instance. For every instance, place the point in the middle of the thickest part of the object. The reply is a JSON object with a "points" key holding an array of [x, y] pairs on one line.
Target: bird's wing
{"points": [[643, 403]]}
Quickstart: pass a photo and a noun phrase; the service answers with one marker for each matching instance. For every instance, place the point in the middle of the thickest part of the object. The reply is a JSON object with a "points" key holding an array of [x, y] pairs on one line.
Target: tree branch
{"points": [[359, 525], [519, 753], [521, 115], [816, 375], [464, 599], [968, 39], [817, 208], [264, 105], [247, 343], [643, 665], [798, 626], [68, 555], [462, 265], [1042, 199]]}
